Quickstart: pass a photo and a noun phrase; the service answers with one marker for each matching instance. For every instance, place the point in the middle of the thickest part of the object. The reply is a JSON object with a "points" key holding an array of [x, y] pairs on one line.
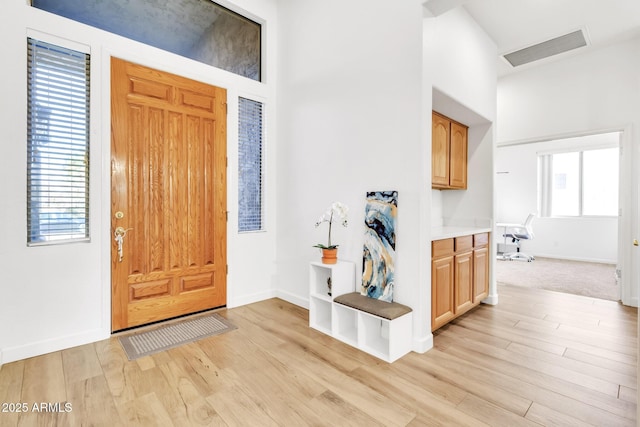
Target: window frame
{"points": [[70, 150], [545, 180]]}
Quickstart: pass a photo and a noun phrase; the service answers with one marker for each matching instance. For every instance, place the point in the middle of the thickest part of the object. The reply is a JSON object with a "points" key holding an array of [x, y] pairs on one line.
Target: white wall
{"points": [[351, 120], [55, 297], [585, 93], [462, 70], [462, 65], [354, 116]]}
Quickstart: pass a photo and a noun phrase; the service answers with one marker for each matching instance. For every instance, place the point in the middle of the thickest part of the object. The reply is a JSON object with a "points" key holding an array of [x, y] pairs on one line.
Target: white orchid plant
{"points": [[336, 212]]}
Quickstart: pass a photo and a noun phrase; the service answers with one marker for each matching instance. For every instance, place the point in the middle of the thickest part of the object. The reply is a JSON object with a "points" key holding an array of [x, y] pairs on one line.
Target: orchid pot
{"points": [[336, 212]]}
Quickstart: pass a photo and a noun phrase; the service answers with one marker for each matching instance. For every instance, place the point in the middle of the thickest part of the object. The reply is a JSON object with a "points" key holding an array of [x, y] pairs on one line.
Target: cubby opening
{"points": [[375, 334], [346, 324], [320, 277], [322, 314]]}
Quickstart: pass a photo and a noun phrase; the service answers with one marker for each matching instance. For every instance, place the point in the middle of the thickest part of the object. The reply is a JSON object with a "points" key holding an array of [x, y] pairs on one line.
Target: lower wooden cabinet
{"points": [[459, 276], [481, 270], [442, 305], [463, 274]]}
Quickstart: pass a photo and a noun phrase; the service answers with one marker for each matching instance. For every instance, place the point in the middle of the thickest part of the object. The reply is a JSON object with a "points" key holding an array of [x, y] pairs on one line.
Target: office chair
{"points": [[517, 232]]}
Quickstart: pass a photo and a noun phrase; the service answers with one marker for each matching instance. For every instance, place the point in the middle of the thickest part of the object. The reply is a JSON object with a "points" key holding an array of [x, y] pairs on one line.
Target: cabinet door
{"points": [[480, 274], [458, 153], [440, 137], [463, 282], [442, 307]]}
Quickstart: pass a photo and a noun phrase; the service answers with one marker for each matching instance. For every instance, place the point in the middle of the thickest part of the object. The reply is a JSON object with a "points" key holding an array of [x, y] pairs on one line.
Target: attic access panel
{"points": [[197, 29]]}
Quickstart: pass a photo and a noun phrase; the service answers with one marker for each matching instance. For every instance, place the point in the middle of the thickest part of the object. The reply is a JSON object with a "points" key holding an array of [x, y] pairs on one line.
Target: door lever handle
{"points": [[635, 242], [119, 234], [121, 231]]}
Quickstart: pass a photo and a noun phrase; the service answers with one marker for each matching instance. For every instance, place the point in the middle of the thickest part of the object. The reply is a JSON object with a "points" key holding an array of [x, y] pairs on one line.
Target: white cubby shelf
{"points": [[379, 328]]}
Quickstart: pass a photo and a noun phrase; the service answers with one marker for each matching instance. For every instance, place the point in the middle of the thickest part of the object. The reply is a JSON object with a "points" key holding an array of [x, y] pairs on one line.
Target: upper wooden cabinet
{"points": [[458, 156], [440, 137], [448, 153]]}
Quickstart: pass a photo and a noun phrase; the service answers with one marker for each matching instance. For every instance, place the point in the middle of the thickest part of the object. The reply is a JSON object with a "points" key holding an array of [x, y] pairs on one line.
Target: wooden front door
{"points": [[168, 195]]}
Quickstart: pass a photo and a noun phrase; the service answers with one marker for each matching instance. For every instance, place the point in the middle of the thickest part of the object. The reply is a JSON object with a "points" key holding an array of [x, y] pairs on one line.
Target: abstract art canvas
{"points": [[378, 258]]}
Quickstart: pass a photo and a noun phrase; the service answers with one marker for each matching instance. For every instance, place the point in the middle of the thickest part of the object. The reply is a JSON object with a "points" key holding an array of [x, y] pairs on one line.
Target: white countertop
{"points": [[449, 231]]}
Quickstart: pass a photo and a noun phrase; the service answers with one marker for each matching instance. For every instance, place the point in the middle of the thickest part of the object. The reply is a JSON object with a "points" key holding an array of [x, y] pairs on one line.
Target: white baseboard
{"points": [[422, 345], [294, 299], [491, 299], [568, 258], [631, 302], [12, 354], [250, 299]]}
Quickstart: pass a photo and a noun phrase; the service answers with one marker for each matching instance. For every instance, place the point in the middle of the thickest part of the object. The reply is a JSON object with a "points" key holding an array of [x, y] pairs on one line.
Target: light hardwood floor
{"points": [[537, 358]]}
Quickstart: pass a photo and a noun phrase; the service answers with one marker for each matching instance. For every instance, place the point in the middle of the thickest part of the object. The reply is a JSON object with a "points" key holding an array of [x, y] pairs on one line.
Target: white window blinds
{"points": [[250, 146], [58, 144]]}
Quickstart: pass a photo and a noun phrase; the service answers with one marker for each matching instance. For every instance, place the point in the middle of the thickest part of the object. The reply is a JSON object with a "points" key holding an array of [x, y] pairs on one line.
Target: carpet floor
{"points": [[574, 277]]}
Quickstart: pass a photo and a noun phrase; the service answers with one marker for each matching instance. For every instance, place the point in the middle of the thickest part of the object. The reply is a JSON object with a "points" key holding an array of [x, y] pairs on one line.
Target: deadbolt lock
{"points": [[119, 215]]}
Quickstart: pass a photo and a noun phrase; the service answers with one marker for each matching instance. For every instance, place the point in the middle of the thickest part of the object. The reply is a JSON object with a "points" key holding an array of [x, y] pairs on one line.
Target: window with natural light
{"points": [[250, 147], [197, 29], [57, 144], [579, 183]]}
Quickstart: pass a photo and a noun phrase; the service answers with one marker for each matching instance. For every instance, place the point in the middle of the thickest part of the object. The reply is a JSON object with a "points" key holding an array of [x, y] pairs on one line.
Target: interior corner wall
{"points": [[460, 67], [463, 58], [464, 76], [350, 120], [580, 94], [59, 296]]}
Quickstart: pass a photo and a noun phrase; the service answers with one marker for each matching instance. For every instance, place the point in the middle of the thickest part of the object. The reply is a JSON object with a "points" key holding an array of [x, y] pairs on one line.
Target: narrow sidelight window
{"points": [[57, 144], [250, 179]]}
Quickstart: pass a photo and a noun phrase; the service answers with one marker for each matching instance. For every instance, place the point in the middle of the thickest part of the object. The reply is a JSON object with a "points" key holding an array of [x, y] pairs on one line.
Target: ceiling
{"points": [[516, 24]]}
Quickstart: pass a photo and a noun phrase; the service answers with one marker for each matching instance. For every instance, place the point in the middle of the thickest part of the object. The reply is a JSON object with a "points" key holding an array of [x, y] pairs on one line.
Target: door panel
{"points": [[480, 274], [440, 150], [169, 193], [458, 152], [442, 296], [463, 279]]}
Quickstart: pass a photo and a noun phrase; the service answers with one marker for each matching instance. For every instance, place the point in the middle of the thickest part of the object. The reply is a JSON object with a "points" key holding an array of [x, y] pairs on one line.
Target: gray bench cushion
{"points": [[386, 310]]}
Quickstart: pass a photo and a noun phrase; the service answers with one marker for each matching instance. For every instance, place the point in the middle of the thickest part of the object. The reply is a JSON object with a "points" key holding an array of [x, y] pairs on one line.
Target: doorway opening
{"points": [[573, 185]]}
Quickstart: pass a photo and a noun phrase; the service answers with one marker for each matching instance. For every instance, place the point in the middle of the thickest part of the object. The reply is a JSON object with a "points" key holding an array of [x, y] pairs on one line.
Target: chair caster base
{"points": [[518, 256]]}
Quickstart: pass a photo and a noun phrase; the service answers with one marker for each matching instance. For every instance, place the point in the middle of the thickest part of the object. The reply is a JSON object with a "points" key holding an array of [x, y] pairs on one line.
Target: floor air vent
{"points": [[546, 49]]}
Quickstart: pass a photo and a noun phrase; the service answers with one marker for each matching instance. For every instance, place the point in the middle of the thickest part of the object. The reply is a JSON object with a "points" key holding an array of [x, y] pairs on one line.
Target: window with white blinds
{"points": [[58, 144], [250, 179]]}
